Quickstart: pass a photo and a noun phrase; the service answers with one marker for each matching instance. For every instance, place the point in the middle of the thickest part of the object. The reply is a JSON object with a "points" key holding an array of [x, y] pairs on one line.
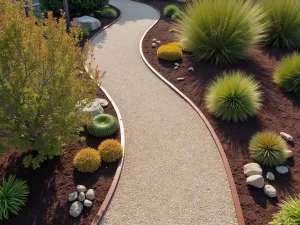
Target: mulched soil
{"points": [[51, 184], [280, 113]]}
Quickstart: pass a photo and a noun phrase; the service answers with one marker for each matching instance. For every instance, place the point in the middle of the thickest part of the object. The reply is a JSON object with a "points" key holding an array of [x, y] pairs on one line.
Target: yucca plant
{"points": [[284, 19], [234, 96], [13, 195], [221, 31], [289, 213], [268, 149], [169, 10], [287, 73]]}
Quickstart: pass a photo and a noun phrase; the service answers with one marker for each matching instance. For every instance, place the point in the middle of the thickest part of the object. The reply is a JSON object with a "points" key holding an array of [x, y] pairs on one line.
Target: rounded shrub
{"points": [[177, 15], [103, 125], [234, 96], [13, 195], [289, 213], [110, 150], [169, 52], [268, 149], [87, 160], [284, 19], [170, 10], [287, 73], [221, 31], [109, 12]]}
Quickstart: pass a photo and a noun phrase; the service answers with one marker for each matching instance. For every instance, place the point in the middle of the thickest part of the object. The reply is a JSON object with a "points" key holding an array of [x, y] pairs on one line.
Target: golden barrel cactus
{"points": [[170, 52], [87, 160], [110, 150]]}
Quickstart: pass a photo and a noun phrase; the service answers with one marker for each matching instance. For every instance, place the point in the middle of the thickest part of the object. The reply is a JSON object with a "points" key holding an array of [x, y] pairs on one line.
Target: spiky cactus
{"points": [[103, 125]]}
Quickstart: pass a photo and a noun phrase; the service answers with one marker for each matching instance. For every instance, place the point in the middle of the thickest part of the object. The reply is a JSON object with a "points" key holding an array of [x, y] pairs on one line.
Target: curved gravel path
{"points": [[173, 173]]}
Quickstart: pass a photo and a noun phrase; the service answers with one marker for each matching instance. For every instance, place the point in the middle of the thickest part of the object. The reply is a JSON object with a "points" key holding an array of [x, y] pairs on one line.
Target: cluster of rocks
{"points": [[80, 196], [96, 107], [155, 42]]}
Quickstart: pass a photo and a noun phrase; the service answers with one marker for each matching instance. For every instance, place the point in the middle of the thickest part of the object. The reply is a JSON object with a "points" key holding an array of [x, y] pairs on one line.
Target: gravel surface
{"points": [[173, 173]]}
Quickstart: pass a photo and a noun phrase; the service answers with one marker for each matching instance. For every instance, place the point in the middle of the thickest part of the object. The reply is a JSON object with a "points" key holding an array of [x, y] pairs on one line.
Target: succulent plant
{"points": [[103, 125]]}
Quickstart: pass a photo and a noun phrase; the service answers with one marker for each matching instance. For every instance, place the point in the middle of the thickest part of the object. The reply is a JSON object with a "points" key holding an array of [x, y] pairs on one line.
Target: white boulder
{"points": [[81, 196], [256, 181], [73, 196], [103, 102], [90, 194], [252, 169], [282, 169], [270, 191], [270, 176], [87, 203], [81, 188], [76, 209], [88, 22], [286, 136], [94, 108]]}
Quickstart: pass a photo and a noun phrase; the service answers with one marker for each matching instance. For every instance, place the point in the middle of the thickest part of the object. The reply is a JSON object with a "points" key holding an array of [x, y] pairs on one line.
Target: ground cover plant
{"points": [[221, 31]]}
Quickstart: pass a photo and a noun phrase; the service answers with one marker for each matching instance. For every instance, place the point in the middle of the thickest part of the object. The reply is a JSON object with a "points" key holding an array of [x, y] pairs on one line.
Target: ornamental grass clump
{"points": [[170, 10], [13, 195], [287, 73], [109, 12], [284, 19], [289, 213], [234, 96], [87, 160], [268, 149], [110, 150], [221, 31]]}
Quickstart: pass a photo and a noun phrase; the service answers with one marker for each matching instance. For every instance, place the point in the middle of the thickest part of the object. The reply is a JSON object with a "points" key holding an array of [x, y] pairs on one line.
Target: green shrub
{"points": [[87, 160], [76, 7], [170, 52], [13, 195], [268, 149], [177, 15], [289, 213], [234, 96], [85, 32], [221, 31], [110, 150], [284, 19], [169, 10], [287, 73], [109, 12], [103, 125]]}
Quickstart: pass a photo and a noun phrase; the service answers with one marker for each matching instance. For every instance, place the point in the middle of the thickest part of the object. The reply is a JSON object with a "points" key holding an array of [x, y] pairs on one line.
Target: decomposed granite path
{"points": [[173, 173]]}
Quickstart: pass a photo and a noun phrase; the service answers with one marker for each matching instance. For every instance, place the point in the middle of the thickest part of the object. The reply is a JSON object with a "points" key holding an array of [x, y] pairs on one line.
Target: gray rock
{"points": [[76, 209], [282, 169], [270, 191], [256, 181], [270, 176], [73, 196], [289, 153], [88, 22], [180, 78], [103, 102], [87, 203], [90, 194], [81, 196], [81, 188], [94, 108], [252, 169], [286, 136]]}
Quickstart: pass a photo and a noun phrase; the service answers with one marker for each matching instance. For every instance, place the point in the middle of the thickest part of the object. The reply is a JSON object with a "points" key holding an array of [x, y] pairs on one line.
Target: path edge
{"points": [[235, 197]]}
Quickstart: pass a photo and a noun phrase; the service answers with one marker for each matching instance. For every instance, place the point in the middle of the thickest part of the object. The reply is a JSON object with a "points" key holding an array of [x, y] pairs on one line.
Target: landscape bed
{"points": [[280, 113]]}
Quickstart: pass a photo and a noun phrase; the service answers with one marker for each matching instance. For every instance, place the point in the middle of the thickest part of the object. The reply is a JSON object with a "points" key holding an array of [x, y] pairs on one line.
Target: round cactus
{"points": [[87, 160], [170, 52], [110, 150], [103, 125]]}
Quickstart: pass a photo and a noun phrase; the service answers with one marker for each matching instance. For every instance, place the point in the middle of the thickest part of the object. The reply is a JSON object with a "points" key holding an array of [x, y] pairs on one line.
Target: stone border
{"points": [[235, 197]]}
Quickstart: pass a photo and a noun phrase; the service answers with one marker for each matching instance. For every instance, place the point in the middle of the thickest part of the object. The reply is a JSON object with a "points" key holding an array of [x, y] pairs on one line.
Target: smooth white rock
{"points": [[81, 196], [87, 203], [176, 64], [94, 108], [176, 67], [153, 45], [158, 42], [180, 78], [191, 68], [270, 176], [289, 153], [252, 169], [81, 188], [282, 169], [103, 102], [154, 40], [76, 209], [88, 22], [73, 196], [90, 194], [286, 136], [270, 191], [256, 181]]}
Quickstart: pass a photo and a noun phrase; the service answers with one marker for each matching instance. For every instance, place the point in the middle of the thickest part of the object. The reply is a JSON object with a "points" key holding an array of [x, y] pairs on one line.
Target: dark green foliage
{"points": [[103, 125], [85, 32], [170, 10], [109, 12]]}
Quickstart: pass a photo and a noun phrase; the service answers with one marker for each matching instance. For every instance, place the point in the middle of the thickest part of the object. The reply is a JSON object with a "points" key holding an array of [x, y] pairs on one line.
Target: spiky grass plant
{"points": [[221, 31], [13, 195], [289, 213], [109, 12], [103, 125], [234, 96], [268, 149], [284, 19], [169, 10], [287, 73]]}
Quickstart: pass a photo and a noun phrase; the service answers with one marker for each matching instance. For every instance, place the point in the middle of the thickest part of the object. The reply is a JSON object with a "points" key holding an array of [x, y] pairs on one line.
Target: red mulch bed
{"points": [[280, 112], [51, 184]]}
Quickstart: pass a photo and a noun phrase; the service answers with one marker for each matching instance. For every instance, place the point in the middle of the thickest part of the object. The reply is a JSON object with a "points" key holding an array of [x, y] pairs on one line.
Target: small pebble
{"points": [[81, 196], [176, 67], [176, 64], [270, 176], [87, 203], [81, 188], [158, 42], [153, 45], [191, 68], [286, 136], [282, 169], [154, 40], [180, 78], [289, 153]]}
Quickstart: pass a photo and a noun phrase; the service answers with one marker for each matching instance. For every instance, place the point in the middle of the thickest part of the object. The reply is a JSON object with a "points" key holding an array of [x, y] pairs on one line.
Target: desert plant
{"points": [[87, 160], [13, 195], [284, 19], [169, 10], [234, 96], [287, 73], [109, 12], [169, 52], [103, 125], [289, 213], [40, 84], [268, 148], [221, 31], [110, 150]]}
